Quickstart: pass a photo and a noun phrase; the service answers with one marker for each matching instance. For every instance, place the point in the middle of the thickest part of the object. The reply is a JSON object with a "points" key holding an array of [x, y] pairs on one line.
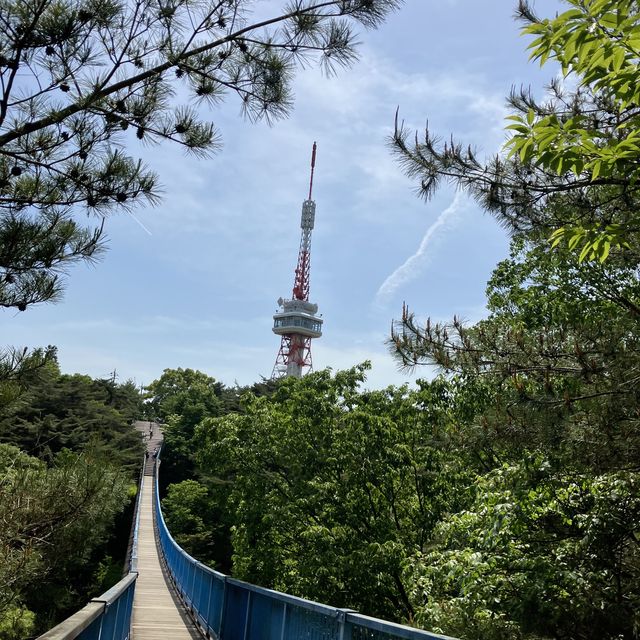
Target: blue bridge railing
{"points": [[230, 609], [115, 618], [107, 617]]}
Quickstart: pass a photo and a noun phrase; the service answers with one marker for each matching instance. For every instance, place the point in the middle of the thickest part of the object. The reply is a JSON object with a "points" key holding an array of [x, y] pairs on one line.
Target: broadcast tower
{"points": [[298, 323]]}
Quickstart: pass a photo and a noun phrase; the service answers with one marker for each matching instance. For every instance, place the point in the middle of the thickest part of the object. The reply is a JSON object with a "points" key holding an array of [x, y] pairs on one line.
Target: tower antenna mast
{"points": [[297, 323], [313, 166]]}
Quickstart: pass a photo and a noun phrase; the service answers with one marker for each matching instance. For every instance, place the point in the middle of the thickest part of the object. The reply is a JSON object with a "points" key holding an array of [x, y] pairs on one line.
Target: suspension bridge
{"points": [[168, 595]]}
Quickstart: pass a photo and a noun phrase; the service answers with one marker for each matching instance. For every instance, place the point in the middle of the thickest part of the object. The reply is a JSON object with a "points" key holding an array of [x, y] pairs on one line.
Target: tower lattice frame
{"points": [[297, 323]]}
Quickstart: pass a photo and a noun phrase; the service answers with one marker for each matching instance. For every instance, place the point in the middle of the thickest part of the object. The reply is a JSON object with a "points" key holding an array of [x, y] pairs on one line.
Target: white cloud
{"points": [[350, 115]]}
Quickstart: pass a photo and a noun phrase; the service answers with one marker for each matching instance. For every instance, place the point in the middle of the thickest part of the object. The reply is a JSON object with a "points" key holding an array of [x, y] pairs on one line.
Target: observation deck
{"points": [[297, 318]]}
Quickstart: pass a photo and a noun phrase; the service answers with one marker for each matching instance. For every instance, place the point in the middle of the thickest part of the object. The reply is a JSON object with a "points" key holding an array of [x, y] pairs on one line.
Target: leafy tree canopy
{"points": [[53, 517], [550, 381], [540, 553], [53, 411], [498, 502], [330, 488], [196, 518], [186, 393], [68, 455], [558, 356]]}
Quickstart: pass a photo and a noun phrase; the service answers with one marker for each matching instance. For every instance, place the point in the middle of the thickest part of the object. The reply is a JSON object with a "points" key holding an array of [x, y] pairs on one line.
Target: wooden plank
{"points": [[157, 612]]}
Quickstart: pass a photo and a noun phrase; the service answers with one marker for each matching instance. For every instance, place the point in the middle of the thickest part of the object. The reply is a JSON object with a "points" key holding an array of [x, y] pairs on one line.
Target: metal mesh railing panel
{"points": [[92, 632], [265, 617], [312, 625]]}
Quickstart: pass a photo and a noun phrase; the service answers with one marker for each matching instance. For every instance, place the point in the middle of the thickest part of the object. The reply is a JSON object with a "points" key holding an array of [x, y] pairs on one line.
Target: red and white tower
{"points": [[298, 323]]}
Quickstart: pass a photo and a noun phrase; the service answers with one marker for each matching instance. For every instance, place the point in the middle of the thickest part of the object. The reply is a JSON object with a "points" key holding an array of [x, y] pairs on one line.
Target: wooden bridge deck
{"points": [[157, 612]]}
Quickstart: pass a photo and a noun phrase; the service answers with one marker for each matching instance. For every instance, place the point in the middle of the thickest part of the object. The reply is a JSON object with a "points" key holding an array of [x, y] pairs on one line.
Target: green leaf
{"points": [[587, 250]]}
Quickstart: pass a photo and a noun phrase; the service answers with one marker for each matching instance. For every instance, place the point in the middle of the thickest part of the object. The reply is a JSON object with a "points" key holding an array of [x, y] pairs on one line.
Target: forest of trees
{"points": [[500, 499], [69, 462]]}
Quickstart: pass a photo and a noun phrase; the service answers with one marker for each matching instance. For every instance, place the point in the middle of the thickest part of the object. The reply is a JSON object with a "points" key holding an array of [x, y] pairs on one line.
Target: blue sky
{"points": [[197, 286]]}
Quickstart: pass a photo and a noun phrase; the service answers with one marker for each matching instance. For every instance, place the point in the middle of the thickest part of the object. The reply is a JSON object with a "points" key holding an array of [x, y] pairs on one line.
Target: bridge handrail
{"points": [[106, 617], [230, 609], [132, 556]]}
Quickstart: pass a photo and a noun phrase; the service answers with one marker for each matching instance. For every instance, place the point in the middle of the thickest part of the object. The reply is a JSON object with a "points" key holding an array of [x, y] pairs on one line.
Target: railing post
{"points": [[284, 621], [129, 612], [184, 578], [201, 577], [208, 620], [104, 611], [197, 588], [223, 613], [116, 622], [345, 627], [246, 617], [193, 584]]}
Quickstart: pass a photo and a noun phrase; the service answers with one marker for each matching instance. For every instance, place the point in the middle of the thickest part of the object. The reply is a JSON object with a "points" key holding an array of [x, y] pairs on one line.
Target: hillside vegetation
{"points": [[68, 468], [498, 500]]}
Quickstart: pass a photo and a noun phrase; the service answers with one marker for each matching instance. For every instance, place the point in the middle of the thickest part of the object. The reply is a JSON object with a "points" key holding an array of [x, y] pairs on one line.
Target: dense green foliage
{"points": [[68, 462], [333, 488], [53, 519], [180, 399], [196, 503], [540, 553], [500, 501], [190, 511], [550, 545], [72, 411], [593, 139]]}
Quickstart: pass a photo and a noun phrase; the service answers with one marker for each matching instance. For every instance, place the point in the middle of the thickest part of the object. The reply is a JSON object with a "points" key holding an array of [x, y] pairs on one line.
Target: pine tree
{"points": [[571, 161], [78, 77]]}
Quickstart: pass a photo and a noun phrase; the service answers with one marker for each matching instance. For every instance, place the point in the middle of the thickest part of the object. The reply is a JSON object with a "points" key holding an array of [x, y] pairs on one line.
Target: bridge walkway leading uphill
{"points": [[143, 605], [157, 612]]}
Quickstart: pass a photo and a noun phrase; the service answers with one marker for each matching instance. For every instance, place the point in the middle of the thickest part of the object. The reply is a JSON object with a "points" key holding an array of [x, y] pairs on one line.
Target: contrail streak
{"points": [[140, 223], [413, 264]]}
